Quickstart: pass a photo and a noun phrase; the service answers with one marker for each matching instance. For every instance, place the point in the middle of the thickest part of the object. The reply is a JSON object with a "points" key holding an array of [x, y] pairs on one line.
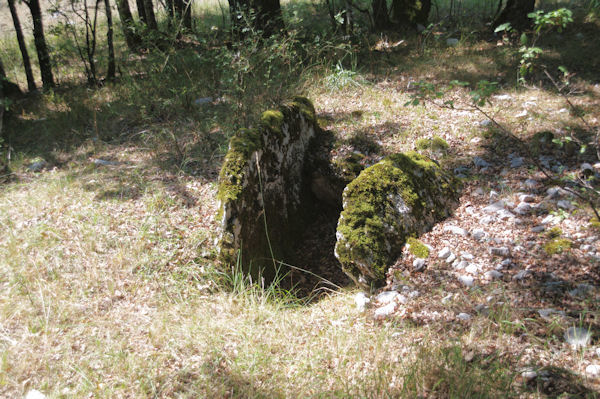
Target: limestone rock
{"points": [[400, 196], [264, 177]]}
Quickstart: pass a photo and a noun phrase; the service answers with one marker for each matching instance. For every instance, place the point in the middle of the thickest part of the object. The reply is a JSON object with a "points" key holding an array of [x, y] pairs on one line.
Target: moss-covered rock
{"points": [[557, 246], [436, 144], [401, 196], [264, 188]]}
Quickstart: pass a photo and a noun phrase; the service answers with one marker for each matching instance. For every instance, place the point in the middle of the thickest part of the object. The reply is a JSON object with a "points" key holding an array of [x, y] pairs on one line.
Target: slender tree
{"points": [[516, 12], [410, 12], [183, 12], [132, 38], [150, 16], [381, 15], [40, 43], [141, 11], [22, 46], [110, 72]]}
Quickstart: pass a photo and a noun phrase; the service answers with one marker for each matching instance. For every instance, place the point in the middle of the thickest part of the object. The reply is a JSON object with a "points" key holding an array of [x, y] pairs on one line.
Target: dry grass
{"points": [[107, 288]]}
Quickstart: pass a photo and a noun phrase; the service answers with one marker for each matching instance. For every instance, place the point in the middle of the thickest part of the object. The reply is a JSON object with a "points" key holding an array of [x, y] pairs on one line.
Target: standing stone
{"points": [[264, 191]]}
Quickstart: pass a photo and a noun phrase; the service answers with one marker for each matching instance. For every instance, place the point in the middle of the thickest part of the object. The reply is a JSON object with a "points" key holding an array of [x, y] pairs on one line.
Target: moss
{"points": [[554, 232], [373, 231], [439, 144], [305, 106], [595, 223], [241, 146], [557, 246], [349, 167], [422, 144], [417, 248], [436, 143], [272, 120]]}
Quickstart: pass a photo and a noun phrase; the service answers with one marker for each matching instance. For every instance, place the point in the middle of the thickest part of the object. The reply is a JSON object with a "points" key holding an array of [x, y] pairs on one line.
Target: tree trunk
{"points": [[9, 88], [141, 11], [110, 73], [187, 14], [269, 18], [150, 16], [2, 79], [132, 38], [40, 44], [381, 15], [410, 12], [22, 46], [423, 13], [516, 12]]}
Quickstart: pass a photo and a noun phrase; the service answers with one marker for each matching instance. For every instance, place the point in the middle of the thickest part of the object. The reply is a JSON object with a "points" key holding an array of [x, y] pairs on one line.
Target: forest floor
{"points": [[108, 287]]}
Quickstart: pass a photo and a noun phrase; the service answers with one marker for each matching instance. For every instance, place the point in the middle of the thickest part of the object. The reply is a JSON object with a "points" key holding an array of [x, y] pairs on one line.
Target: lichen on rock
{"points": [[401, 196]]}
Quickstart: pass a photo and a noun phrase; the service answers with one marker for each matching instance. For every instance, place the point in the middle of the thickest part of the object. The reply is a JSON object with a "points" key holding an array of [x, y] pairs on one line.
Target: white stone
{"points": [[456, 230], [386, 297], [447, 298], [505, 215], [578, 337], [538, 229], [444, 253], [516, 162], [564, 204], [493, 274], [487, 219], [471, 268], [461, 265], [35, 394], [466, 256], [503, 97], [521, 114], [495, 207], [493, 195], [384, 311], [593, 370], [526, 198], [528, 375], [419, 264], [521, 275], [547, 314], [480, 162], [530, 183], [587, 167], [478, 234], [556, 192], [523, 208], [466, 280], [479, 191], [37, 166], [451, 258], [500, 251], [464, 316], [451, 41], [361, 300]]}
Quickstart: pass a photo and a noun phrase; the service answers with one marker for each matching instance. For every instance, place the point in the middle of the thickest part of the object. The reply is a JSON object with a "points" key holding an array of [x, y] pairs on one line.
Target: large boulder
{"points": [[401, 196], [265, 190]]}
